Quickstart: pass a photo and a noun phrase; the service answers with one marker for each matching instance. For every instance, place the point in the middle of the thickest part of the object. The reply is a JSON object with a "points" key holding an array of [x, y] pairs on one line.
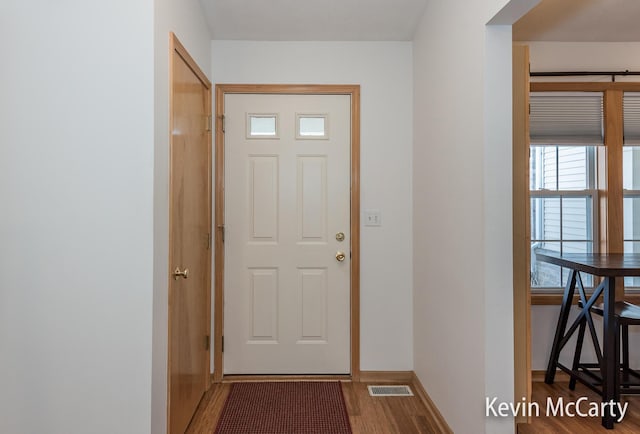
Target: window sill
{"points": [[555, 298]]}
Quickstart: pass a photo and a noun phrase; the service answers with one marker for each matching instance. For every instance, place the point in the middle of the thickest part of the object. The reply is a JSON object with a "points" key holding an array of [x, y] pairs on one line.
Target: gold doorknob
{"points": [[184, 274], [340, 256]]}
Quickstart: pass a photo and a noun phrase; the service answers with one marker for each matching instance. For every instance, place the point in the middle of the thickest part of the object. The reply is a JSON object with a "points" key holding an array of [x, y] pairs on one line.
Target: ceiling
{"points": [[581, 21], [313, 20], [396, 20]]}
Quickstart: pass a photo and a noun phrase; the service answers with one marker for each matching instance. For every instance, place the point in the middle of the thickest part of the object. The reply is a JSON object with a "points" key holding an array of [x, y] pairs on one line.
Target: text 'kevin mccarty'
{"points": [[580, 407]]}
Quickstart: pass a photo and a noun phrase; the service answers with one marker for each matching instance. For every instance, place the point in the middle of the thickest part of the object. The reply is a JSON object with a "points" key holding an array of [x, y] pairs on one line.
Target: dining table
{"points": [[607, 266]]}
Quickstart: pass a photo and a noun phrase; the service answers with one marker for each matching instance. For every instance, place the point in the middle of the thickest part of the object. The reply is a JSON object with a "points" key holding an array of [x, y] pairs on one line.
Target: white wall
{"points": [[448, 215], [463, 312], [84, 239], [572, 56], [186, 19], [76, 220], [498, 227], [383, 69]]}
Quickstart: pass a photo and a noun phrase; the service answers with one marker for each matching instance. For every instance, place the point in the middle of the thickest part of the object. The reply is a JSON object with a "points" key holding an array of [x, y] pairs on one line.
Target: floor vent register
{"points": [[390, 391]]}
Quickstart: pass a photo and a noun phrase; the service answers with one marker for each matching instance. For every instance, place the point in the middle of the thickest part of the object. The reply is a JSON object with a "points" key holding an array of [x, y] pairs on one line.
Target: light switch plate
{"points": [[372, 217]]}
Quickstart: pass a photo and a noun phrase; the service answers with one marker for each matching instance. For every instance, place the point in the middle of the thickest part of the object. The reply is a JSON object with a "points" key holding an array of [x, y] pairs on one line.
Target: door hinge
{"points": [[221, 228], [222, 345], [222, 122], [207, 342], [209, 241], [209, 122]]}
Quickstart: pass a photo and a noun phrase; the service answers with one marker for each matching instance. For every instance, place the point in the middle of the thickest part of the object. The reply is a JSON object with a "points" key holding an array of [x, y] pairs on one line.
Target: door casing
{"points": [[354, 92]]}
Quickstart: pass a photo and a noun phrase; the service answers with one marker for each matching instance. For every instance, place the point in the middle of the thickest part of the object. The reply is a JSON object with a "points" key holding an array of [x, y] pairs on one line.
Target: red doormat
{"points": [[284, 408]]}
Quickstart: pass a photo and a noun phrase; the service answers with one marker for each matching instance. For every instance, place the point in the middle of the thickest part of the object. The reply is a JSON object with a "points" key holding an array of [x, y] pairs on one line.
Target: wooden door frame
{"points": [[177, 49], [610, 205], [354, 92], [521, 230]]}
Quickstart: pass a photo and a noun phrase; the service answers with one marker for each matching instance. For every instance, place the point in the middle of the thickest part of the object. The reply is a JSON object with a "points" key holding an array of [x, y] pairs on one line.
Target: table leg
{"points": [[567, 299], [610, 356]]}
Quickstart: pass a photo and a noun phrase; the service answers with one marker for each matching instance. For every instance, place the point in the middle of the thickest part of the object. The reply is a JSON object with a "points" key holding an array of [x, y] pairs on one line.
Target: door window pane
{"points": [[312, 126], [260, 126]]}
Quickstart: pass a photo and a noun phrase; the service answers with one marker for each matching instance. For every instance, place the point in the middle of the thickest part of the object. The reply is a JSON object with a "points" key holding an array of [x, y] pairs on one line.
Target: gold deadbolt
{"points": [[340, 256], [340, 236], [178, 274]]}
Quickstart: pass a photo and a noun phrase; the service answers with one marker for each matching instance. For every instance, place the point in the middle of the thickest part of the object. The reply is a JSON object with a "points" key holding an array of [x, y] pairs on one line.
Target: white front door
{"points": [[287, 219]]}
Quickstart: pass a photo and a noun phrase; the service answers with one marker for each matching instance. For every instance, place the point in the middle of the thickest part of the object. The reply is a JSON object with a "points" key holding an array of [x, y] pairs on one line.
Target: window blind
{"points": [[566, 118], [631, 110]]}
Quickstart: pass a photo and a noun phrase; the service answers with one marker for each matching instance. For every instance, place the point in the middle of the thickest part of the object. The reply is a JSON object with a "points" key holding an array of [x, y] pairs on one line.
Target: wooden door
{"points": [[287, 234], [189, 245]]}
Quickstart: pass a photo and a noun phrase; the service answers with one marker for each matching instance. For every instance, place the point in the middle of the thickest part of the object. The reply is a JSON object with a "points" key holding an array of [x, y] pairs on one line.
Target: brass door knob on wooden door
{"points": [[178, 274], [340, 256]]}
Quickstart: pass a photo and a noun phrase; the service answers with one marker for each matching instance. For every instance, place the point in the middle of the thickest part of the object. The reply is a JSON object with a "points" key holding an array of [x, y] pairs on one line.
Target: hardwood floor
{"points": [[572, 425], [368, 415]]}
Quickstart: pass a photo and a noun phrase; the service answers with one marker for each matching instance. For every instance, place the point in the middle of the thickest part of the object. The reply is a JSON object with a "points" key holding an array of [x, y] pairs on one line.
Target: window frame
{"points": [[591, 192], [609, 173]]}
